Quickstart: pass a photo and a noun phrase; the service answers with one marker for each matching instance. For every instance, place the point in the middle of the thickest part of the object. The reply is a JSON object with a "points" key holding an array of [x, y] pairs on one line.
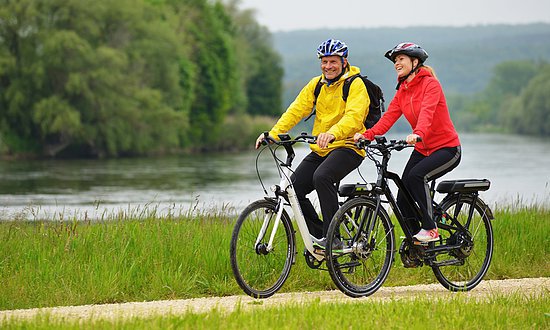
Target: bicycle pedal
{"points": [[420, 243]]}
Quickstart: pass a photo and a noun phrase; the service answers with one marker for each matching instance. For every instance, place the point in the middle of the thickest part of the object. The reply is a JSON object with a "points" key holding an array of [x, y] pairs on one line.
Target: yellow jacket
{"points": [[333, 115]]}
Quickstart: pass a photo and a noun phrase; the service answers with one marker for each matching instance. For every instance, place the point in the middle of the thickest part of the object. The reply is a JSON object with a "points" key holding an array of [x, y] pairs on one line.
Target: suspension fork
{"points": [[267, 218]]}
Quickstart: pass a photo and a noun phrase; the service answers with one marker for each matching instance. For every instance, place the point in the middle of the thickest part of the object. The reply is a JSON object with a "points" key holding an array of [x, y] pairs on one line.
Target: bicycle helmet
{"points": [[409, 49], [332, 47]]}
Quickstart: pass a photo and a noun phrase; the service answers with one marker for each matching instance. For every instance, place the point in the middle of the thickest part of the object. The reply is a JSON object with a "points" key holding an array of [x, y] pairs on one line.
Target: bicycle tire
{"points": [[467, 265], [363, 266], [258, 272]]}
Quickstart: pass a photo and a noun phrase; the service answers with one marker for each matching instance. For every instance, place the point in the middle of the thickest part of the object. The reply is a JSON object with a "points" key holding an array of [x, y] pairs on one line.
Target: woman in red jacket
{"points": [[420, 99]]}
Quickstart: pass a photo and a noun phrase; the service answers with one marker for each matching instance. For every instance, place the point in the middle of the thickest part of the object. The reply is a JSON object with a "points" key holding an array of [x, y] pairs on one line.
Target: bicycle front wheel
{"points": [[464, 267], [359, 260], [260, 270]]}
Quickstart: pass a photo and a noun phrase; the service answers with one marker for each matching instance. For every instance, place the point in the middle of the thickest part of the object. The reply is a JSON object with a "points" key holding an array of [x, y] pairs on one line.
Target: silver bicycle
{"points": [[262, 254]]}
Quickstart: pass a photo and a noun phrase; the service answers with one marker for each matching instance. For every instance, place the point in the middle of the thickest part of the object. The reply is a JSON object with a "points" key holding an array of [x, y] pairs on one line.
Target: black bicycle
{"points": [[361, 240]]}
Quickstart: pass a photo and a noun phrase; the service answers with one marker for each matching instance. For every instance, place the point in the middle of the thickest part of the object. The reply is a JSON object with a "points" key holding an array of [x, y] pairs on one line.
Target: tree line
{"points": [[493, 76], [130, 77], [516, 100]]}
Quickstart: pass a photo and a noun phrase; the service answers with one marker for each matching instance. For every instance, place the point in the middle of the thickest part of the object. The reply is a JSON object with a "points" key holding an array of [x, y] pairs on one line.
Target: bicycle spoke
{"points": [[260, 272], [363, 268], [469, 262]]}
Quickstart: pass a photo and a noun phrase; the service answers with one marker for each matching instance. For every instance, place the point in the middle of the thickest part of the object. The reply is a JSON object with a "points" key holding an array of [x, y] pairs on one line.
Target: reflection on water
{"points": [[516, 166]]}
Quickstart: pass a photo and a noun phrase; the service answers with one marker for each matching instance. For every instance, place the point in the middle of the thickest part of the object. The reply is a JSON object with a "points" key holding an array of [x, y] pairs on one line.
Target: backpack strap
{"points": [[317, 90], [316, 93], [347, 84]]}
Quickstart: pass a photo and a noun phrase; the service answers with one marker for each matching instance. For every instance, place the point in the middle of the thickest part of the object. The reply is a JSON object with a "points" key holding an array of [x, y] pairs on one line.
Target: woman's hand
{"points": [[357, 137], [412, 138], [324, 139]]}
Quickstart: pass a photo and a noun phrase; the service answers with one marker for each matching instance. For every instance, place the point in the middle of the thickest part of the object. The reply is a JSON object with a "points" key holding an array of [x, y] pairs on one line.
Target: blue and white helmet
{"points": [[332, 47]]}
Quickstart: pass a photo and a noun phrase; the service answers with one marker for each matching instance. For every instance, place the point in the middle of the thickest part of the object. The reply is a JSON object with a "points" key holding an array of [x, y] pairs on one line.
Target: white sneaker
{"points": [[427, 235]]}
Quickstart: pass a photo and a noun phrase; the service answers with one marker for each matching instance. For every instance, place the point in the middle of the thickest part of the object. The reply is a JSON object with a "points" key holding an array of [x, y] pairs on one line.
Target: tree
{"points": [[260, 65], [530, 112]]}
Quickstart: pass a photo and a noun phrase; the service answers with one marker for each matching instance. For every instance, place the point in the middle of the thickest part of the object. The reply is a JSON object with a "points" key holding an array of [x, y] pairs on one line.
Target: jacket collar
{"points": [[417, 78]]}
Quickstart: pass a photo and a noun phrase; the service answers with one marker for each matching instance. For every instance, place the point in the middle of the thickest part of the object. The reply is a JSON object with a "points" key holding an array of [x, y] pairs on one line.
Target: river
{"points": [[518, 167]]}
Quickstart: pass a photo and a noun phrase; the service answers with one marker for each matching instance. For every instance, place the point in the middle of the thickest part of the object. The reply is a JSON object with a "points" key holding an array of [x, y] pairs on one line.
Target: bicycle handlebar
{"points": [[287, 142], [285, 139], [383, 145]]}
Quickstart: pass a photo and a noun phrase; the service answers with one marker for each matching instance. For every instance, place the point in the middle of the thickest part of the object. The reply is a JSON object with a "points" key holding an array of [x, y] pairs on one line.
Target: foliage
{"points": [[516, 100], [482, 68], [113, 78]]}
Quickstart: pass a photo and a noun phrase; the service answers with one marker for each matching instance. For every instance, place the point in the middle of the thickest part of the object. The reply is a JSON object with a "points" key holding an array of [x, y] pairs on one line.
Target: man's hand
{"points": [[259, 140], [324, 139]]}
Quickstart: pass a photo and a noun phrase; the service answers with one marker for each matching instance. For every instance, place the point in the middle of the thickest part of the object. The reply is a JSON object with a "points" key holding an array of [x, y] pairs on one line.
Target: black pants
{"points": [[418, 172], [322, 174]]}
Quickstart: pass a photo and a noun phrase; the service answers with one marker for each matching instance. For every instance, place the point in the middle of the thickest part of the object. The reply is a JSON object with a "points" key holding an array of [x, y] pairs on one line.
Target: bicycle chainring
{"points": [[409, 256]]}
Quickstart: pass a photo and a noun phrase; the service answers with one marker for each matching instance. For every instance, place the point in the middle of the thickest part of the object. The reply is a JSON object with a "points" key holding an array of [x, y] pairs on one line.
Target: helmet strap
{"points": [[413, 70]]}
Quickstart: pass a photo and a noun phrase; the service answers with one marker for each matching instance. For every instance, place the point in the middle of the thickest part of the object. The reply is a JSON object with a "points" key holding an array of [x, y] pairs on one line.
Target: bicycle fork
{"points": [[267, 219]]}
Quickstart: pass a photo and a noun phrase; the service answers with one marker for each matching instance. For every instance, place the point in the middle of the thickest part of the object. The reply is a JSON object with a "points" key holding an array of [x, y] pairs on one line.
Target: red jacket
{"points": [[424, 106]]}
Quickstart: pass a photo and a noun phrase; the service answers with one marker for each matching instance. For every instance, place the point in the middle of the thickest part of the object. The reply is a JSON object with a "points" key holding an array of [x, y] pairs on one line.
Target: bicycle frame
{"points": [[382, 187], [285, 192]]}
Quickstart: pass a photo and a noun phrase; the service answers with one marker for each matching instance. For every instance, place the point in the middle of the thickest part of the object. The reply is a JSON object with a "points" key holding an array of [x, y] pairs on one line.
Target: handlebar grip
{"points": [[362, 143]]}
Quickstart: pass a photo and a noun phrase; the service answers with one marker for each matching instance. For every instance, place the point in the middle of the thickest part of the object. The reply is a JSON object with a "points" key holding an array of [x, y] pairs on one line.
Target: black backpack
{"points": [[376, 96]]}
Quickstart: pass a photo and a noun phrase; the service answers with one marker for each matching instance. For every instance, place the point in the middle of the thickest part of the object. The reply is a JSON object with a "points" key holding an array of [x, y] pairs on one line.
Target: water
{"points": [[518, 168]]}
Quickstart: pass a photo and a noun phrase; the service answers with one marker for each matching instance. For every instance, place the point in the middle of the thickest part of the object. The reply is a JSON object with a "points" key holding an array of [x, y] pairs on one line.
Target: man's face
{"points": [[332, 66]]}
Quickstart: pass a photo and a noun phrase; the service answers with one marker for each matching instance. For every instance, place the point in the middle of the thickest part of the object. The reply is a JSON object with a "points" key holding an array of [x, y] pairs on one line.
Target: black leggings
{"points": [[322, 174], [418, 172]]}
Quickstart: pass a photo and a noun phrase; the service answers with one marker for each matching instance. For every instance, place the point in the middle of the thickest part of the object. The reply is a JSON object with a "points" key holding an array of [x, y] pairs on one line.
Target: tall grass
{"points": [[182, 256]]}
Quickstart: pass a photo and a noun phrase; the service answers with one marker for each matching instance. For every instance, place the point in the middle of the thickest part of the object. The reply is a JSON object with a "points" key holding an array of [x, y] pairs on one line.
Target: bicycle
{"points": [[459, 259], [261, 254]]}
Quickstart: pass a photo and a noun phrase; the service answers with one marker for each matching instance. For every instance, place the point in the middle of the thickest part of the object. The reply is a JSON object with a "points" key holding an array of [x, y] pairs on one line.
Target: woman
{"points": [[421, 100], [336, 121]]}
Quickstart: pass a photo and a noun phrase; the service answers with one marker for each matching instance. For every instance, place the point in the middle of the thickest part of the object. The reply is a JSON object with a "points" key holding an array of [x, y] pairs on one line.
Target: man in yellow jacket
{"points": [[336, 121]]}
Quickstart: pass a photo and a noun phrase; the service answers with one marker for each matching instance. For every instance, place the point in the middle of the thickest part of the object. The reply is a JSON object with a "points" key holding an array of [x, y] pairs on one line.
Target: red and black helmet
{"points": [[409, 49]]}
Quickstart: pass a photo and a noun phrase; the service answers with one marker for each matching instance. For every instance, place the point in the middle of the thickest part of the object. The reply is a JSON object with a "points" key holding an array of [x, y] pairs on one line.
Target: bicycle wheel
{"points": [[362, 261], [261, 272], [463, 268]]}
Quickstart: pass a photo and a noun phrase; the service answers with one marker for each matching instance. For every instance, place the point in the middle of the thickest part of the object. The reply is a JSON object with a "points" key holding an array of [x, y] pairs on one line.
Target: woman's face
{"points": [[332, 66], [404, 64]]}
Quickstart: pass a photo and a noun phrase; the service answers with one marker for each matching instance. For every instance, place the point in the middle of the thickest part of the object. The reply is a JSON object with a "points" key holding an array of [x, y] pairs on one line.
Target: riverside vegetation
{"points": [[145, 257]]}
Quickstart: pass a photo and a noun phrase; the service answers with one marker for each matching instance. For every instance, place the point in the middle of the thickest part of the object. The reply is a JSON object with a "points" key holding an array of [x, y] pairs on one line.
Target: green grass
{"points": [[496, 312], [60, 263]]}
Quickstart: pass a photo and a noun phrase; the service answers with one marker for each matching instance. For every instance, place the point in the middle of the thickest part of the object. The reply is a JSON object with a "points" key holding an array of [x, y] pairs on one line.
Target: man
{"points": [[336, 122]]}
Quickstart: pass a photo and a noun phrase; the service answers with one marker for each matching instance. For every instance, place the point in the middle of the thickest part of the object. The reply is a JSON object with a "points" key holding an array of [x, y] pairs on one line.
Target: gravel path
{"points": [[527, 286]]}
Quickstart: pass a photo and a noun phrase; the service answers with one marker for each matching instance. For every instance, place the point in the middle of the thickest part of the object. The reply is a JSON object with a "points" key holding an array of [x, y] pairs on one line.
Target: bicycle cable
{"points": [[258, 170], [277, 161]]}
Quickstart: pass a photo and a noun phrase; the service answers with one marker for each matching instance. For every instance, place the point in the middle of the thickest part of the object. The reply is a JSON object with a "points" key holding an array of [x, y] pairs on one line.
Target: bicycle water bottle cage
{"points": [[463, 186]]}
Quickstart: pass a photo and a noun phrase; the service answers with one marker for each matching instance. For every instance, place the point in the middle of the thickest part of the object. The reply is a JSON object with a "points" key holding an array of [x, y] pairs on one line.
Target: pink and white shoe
{"points": [[427, 235]]}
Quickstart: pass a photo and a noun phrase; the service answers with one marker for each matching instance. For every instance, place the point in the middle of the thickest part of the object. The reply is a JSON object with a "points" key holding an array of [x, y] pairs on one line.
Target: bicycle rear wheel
{"points": [[463, 268], [258, 271], [361, 263]]}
